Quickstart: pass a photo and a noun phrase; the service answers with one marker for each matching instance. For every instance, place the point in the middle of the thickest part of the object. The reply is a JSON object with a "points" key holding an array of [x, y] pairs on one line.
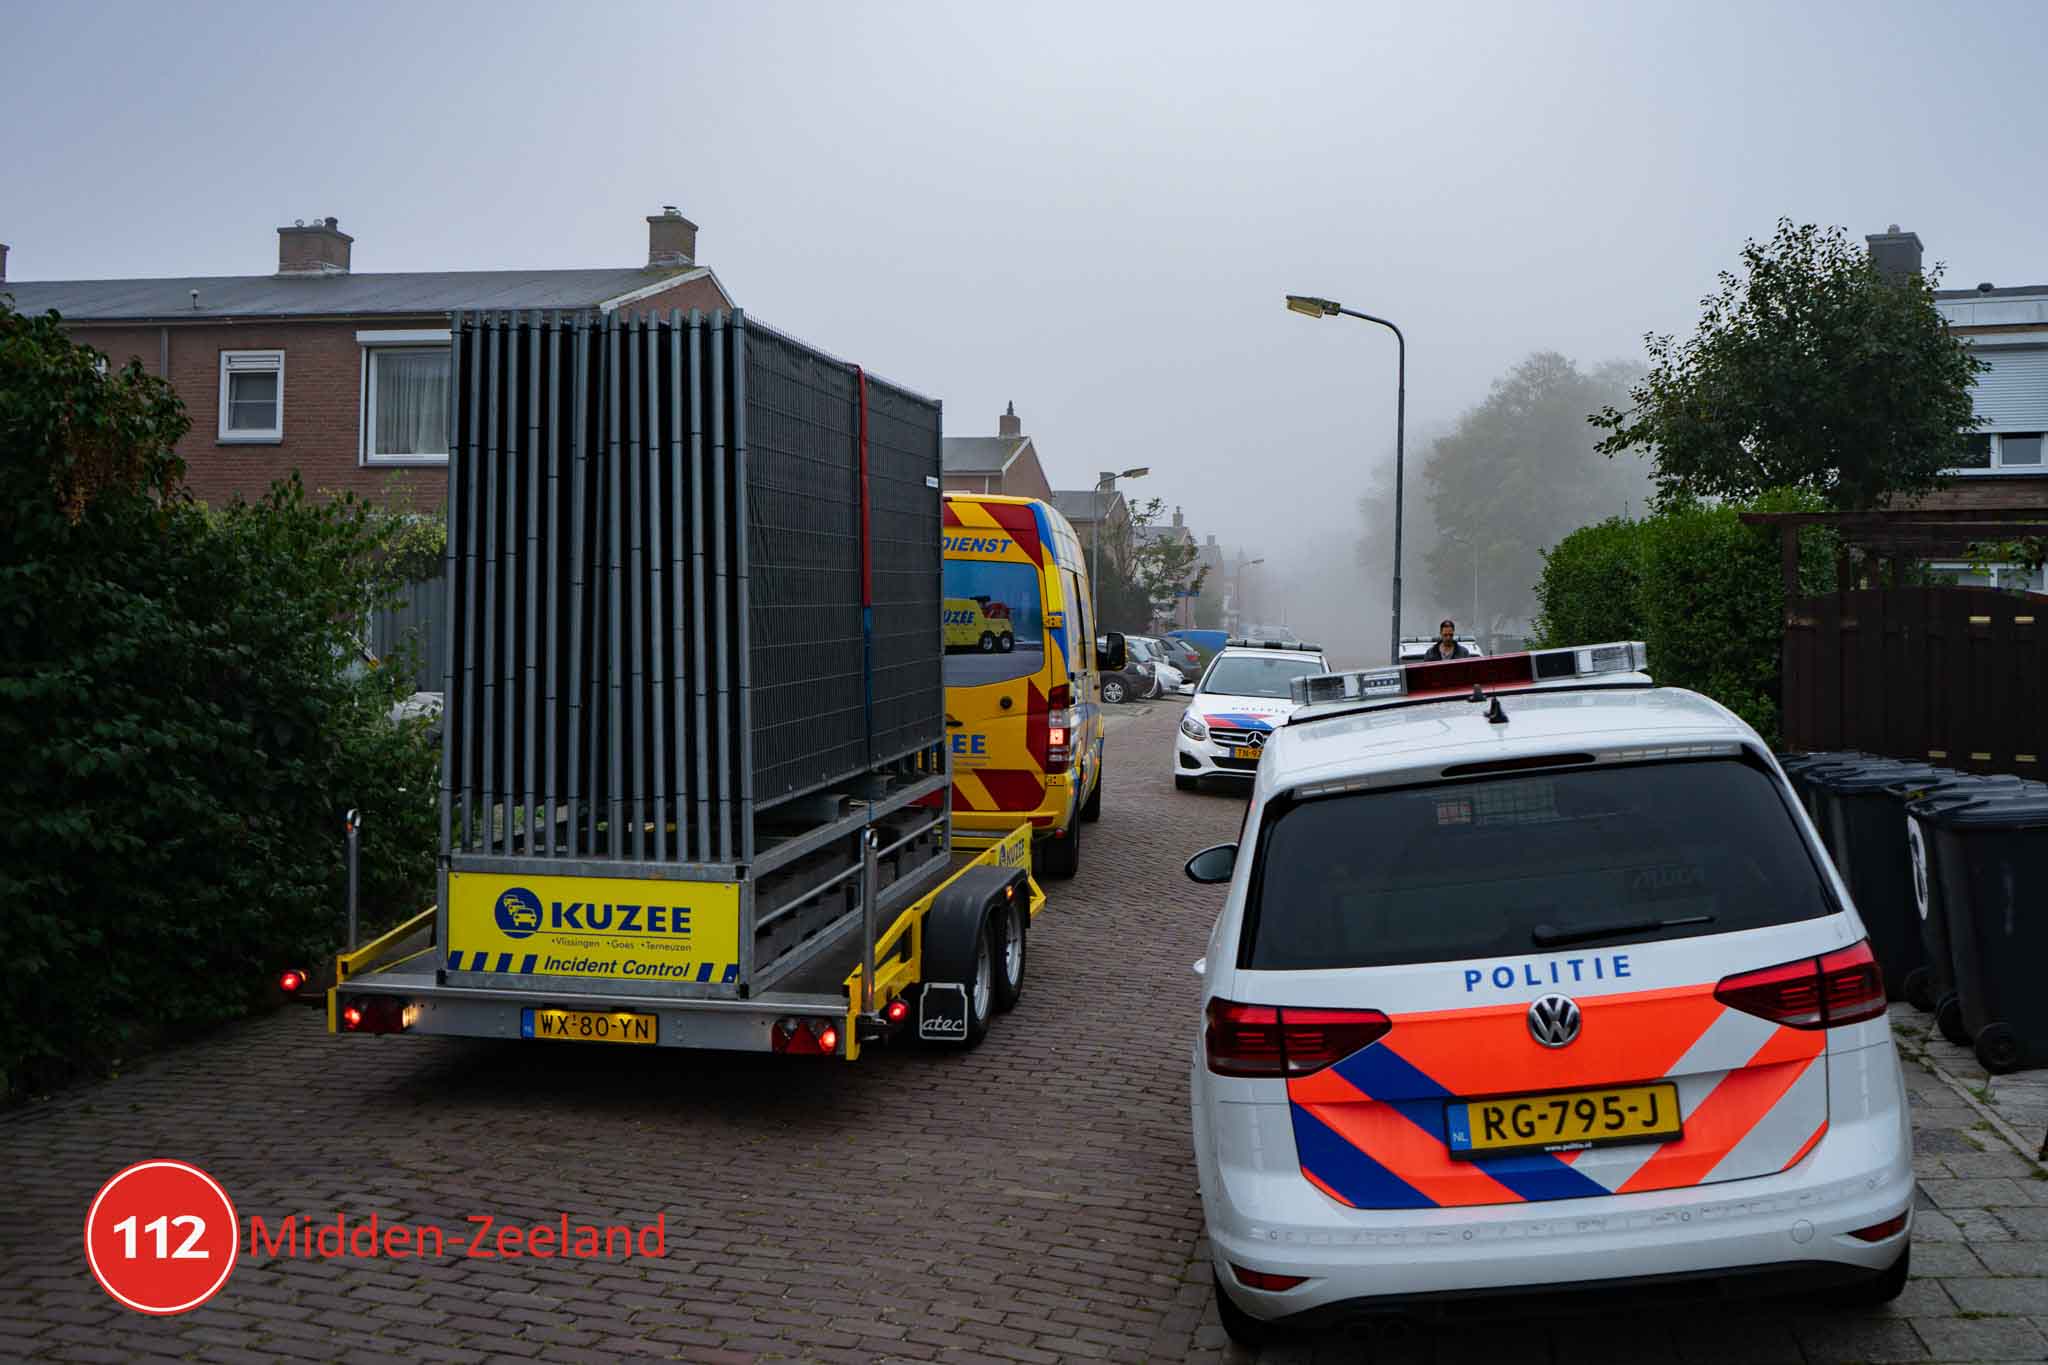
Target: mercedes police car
{"points": [[1534, 976], [1243, 694]]}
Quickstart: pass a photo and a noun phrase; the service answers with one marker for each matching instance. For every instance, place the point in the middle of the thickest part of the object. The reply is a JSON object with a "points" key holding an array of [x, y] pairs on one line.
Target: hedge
{"points": [[182, 728], [1703, 590]]}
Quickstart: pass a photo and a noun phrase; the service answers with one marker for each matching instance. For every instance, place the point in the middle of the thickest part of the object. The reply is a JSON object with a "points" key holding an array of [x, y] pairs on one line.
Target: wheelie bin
{"points": [[1800, 770], [1865, 834], [1992, 858], [1932, 983]]}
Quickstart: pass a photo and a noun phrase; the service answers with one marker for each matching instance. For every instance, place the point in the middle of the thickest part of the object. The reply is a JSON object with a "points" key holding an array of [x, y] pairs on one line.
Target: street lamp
{"points": [[1106, 481], [1328, 308], [1242, 566], [1473, 545]]}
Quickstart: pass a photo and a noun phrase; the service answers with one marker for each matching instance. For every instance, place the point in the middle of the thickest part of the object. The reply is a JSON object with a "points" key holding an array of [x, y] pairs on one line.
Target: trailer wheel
{"points": [[962, 943], [1010, 930]]}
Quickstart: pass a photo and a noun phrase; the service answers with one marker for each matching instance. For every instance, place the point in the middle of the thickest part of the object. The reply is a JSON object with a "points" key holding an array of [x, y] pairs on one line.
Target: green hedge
{"points": [[1701, 588], [182, 729]]}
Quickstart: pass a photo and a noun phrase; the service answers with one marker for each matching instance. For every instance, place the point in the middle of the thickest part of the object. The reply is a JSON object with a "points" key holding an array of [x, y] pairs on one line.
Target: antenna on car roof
{"points": [[1494, 715]]}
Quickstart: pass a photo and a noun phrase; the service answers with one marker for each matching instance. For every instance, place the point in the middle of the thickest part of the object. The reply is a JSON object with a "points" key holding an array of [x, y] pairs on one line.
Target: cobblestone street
{"points": [[1033, 1200]]}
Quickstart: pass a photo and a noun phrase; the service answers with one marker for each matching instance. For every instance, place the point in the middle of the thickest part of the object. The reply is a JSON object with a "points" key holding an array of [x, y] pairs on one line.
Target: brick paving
{"points": [[1031, 1201]]}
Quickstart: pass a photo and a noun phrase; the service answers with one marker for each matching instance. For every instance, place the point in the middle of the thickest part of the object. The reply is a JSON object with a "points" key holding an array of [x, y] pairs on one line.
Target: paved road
{"points": [[1031, 1201]]}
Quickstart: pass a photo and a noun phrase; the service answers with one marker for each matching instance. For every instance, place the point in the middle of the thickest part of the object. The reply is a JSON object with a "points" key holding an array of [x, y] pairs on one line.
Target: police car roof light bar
{"points": [[1301, 645], [1453, 677]]}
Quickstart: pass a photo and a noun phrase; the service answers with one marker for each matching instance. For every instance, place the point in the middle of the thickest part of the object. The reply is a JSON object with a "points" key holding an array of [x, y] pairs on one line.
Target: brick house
{"points": [[343, 376], [1006, 462]]}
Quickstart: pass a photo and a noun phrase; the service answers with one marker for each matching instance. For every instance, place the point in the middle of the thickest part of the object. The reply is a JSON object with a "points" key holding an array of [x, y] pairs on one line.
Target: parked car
{"points": [[1182, 655], [1132, 682], [1166, 678]]}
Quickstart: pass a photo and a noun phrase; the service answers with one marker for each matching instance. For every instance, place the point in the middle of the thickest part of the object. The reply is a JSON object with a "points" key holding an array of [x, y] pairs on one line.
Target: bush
{"points": [[182, 726], [1703, 590]]}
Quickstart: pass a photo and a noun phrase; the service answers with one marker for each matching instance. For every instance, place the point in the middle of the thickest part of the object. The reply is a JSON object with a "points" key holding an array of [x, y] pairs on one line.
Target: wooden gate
{"points": [[1955, 676]]}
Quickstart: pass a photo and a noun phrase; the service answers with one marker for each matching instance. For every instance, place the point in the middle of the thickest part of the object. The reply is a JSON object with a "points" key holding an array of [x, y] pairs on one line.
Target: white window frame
{"points": [[2005, 577], [248, 362], [1997, 465], [415, 339]]}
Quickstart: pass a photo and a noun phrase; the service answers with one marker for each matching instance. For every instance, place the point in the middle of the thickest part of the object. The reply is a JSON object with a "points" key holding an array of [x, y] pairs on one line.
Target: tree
{"points": [[1513, 475], [1810, 369], [1142, 573]]}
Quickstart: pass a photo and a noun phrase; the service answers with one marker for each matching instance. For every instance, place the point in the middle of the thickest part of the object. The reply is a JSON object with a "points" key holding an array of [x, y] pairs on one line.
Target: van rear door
{"points": [[996, 655]]}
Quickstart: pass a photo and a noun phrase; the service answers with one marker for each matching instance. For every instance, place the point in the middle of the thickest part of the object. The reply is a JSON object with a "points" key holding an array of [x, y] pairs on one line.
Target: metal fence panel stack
{"points": [[660, 615]]}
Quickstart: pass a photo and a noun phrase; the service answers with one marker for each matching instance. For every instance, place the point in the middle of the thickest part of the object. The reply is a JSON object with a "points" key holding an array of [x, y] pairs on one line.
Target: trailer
{"points": [[696, 779]]}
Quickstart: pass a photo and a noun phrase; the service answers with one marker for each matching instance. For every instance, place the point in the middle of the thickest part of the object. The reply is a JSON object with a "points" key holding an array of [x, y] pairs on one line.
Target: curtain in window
{"points": [[412, 402]]}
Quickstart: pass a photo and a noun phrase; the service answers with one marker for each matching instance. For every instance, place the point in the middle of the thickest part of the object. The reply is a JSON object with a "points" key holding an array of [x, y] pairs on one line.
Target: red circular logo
{"points": [[162, 1237]]}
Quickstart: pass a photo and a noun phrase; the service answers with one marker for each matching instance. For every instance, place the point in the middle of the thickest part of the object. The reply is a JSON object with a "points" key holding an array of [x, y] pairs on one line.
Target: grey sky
{"points": [[1093, 210]]}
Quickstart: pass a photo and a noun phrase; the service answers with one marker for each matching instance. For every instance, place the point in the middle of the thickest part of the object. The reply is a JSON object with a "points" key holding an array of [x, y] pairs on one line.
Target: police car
{"points": [[1243, 694], [1534, 976]]}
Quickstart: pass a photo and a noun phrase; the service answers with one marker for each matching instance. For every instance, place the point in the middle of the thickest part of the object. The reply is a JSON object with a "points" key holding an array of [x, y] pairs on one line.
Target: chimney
{"points": [[1896, 254], [1178, 522], [3, 262], [318, 248], [671, 239], [1007, 424]]}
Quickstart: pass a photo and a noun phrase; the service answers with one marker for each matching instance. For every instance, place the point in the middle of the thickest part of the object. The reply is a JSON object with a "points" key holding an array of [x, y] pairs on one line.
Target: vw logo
{"points": [[1554, 1020]]}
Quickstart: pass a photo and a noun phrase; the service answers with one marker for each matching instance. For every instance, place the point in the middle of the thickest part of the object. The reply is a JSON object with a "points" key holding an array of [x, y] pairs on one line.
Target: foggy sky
{"points": [[1092, 210]]}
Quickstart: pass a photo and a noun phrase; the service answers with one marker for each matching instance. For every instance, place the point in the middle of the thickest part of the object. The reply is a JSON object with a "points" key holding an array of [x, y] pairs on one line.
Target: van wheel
{"points": [[1059, 859], [1005, 643], [988, 643], [1091, 809], [1009, 926], [1241, 1327]]}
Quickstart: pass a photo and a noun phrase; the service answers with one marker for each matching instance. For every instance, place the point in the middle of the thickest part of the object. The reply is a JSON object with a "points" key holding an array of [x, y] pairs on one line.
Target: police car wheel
{"points": [[988, 643], [1876, 1291], [1009, 925], [1005, 642], [1241, 1327]]}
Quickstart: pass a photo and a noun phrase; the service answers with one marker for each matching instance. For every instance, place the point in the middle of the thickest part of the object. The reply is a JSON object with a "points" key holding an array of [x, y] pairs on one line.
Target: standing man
{"points": [[1446, 646]]}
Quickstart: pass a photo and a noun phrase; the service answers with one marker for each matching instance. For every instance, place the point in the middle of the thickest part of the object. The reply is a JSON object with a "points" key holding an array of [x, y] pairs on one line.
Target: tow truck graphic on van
{"points": [[979, 622]]}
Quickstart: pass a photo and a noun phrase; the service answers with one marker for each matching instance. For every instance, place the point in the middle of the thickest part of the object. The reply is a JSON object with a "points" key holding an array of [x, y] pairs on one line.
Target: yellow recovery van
{"points": [[1021, 703], [696, 754]]}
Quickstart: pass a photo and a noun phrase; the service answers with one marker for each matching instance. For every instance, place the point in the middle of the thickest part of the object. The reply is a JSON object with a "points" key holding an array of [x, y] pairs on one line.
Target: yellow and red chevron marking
{"points": [[1014, 520], [1370, 1130]]}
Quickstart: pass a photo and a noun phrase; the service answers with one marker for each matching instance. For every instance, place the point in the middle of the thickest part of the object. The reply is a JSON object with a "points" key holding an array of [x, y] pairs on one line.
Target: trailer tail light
{"points": [[805, 1037], [896, 1012], [351, 1018], [377, 1014], [1266, 1280], [1842, 987], [1264, 1040], [290, 980]]}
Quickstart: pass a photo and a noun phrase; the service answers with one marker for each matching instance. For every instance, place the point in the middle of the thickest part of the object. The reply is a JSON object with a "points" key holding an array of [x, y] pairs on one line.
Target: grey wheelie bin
{"points": [[1992, 858], [1932, 983]]}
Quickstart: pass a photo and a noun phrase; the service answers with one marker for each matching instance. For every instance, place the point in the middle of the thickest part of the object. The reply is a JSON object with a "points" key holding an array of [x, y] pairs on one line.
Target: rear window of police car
{"points": [[1477, 868]]}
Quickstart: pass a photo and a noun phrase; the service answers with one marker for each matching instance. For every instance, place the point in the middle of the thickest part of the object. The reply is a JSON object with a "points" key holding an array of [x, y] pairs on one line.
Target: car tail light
{"points": [[1877, 1232], [1842, 987], [1262, 1279], [1262, 1040]]}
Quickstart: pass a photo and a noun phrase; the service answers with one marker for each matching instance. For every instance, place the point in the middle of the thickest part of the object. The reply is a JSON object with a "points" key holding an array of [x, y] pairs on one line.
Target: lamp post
{"points": [[1472, 545], [1105, 482], [1308, 306], [1247, 564]]}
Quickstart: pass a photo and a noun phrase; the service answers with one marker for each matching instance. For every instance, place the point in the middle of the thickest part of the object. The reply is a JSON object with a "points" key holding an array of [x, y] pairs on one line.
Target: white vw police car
{"points": [[1243, 694], [1534, 976]]}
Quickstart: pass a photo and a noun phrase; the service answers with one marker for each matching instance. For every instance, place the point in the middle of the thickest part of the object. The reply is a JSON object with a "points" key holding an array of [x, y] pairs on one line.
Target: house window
{"points": [[252, 396], [2002, 450], [405, 397]]}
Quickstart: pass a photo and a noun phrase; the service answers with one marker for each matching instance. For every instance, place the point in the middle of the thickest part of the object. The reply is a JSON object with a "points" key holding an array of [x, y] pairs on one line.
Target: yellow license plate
{"points": [[588, 1026], [1564, 1122], [1245, 751]]}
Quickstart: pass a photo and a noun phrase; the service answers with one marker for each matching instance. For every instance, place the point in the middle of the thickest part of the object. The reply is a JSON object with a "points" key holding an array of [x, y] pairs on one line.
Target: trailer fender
{"points": [[952, 938]]}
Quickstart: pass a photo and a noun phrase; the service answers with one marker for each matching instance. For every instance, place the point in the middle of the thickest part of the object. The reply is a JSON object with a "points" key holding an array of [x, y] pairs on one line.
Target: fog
{"points": [[1090, 210]]}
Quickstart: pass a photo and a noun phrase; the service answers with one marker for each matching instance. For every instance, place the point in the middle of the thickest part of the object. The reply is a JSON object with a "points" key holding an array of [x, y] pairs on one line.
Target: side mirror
{"points": [[1202, 966], [1213, 864], [1110, 652]]}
